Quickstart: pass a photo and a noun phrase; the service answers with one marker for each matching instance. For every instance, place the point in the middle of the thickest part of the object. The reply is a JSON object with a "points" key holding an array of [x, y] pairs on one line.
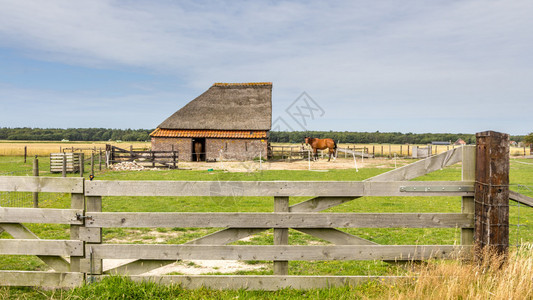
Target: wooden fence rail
{"points": [[168, 159], [280, 220]]}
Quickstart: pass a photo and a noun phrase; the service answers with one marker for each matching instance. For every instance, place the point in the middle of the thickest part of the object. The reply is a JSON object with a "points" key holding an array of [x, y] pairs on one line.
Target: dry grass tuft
{"points": [[492, 279]]}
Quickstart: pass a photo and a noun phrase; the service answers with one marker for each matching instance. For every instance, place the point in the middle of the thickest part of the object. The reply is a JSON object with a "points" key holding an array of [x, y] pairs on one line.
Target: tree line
{"points": [[376, 137], [74, 134], [107, 134]]}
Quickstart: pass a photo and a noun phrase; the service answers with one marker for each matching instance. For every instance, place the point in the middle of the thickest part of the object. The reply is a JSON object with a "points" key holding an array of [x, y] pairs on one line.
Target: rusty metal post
{"points": [[492, 192]]}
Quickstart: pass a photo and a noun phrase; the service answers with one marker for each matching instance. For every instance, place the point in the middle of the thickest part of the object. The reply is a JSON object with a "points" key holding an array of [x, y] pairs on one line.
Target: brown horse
{"points": [[198, 150], [322, 144]]}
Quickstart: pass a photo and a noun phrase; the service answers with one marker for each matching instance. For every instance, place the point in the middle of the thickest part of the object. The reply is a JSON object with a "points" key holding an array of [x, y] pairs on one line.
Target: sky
{"points": [[389, 66]]}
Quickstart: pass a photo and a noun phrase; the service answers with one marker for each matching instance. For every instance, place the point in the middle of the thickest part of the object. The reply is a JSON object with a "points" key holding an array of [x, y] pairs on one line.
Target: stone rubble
{"points": [[127, 166]]}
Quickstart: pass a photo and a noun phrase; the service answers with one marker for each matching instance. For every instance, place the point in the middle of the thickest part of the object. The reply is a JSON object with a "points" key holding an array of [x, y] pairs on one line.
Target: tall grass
{"points": [[495, 278]]}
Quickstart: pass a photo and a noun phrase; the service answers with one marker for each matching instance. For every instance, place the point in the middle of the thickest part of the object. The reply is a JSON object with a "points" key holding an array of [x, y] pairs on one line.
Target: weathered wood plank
{"points": [[41, 279], [468, 173], [520, 198], [226, 236], [223, 188], [93, 205], [279, 220], [379, 188], [138, 267], [423, 166], [281, 236], [19, 231], [319, 203], [261, 282], [41, 247], [41, 184], [335, 236], [210, 252], [325, 189], [77, 201], [39, 215]]}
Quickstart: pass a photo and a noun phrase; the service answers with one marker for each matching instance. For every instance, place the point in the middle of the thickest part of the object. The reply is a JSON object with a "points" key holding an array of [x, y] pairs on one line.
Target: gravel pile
{"points": [[127, 166]]}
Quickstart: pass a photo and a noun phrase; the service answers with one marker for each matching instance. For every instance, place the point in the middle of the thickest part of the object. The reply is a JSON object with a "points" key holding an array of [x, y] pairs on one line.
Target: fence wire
{"points": [[25, 200], [520, 218]]}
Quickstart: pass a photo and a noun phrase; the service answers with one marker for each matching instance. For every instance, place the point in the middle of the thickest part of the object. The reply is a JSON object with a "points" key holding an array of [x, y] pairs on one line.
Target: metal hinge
{"points": [[81, 217], [436, 189]]}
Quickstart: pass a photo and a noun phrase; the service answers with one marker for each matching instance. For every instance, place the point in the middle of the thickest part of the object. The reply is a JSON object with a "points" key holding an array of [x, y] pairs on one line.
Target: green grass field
{"points": [[521, 179]]}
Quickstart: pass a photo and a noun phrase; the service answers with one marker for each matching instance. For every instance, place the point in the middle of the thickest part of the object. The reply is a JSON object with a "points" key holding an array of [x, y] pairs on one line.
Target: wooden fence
{"points": [[87, 249], [167, 159], [65, 162], [299, 152]]}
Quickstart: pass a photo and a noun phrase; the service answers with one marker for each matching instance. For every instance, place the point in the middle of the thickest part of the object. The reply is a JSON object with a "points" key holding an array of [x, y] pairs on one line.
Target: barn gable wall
{"points": [[232, 149], [182, 145], [235, 149]]}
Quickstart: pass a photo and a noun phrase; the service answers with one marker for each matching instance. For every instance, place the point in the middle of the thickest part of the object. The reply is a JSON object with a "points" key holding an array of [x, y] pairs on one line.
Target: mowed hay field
{"points": [[457, 280], [16, 148], [40, 148]]}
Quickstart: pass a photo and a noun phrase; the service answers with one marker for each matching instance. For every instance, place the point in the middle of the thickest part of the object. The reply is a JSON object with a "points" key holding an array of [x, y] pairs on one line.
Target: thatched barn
{"points": [[229, 121]]}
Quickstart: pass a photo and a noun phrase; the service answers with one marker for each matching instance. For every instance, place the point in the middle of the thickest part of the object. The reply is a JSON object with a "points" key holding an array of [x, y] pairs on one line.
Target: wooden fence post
{"points": [[174, 158], [100, 160], [81, 161], [467, 204], [92, 163], [64, 170], [492, 191], [281, 236], [35, 173], [26, 153], [92, 236], [77, 202]]}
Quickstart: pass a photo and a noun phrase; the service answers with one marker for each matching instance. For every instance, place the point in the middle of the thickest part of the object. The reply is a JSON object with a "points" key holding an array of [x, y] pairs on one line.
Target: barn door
{"points": [[198, 149]]}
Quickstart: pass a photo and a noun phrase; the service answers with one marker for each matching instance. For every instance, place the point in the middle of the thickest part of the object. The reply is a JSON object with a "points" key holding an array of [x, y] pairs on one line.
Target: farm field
{"points": [[521, 180], [43, 148]]}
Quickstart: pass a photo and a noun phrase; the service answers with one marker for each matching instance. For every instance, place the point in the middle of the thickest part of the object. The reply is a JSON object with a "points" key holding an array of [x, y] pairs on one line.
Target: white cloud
{"points": [[431, 59]]}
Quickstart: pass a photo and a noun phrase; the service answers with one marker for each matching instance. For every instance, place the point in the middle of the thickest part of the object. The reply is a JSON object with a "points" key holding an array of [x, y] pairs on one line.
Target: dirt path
{"points": [[322, 164], [193, 267]]}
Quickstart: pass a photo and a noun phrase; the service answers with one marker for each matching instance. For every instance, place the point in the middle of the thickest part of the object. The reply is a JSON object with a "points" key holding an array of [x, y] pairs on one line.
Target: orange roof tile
{"points": [[237, 134], [243, 83]]}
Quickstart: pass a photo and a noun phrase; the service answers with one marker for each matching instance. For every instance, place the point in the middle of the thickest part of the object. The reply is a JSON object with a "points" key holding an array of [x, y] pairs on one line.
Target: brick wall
{"points": [[182, 145], [235, 149]]}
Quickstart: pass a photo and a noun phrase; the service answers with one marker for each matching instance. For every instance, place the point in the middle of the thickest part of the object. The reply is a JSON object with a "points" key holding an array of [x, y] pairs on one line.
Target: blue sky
{"points": [[393, 66]]}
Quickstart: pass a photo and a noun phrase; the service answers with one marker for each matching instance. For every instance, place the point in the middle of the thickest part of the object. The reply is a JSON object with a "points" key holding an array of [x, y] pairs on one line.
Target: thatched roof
{"points": [[226, 106]]}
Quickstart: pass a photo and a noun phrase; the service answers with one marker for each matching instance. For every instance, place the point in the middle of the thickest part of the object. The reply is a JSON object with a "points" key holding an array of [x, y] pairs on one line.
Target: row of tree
{"points": [[74, 134], [377, 137], [105, 134]]}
